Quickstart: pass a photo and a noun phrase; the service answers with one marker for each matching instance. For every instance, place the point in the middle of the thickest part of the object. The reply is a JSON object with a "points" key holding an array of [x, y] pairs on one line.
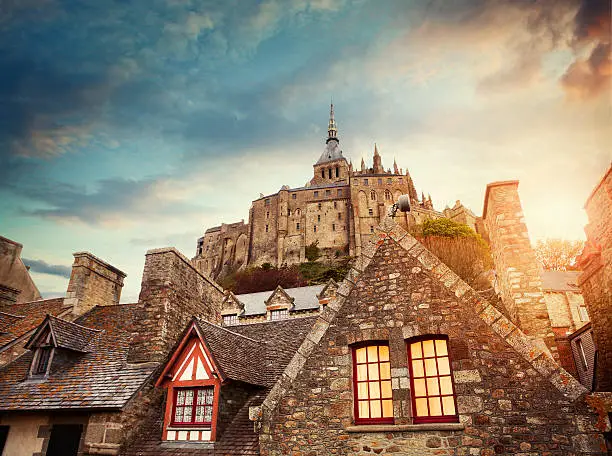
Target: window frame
{"points": [[283, 314], [232, 319], [35, 372], [431, 419], [369, 421], [193, 423]]}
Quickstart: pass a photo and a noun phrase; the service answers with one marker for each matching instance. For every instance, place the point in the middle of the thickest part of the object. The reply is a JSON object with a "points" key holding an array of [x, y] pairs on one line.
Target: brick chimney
{"points": [[93, 282], [518, 271]]}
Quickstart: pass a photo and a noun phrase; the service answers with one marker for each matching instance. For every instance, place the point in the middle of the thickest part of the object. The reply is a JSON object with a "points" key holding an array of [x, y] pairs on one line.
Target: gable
{"points": [[231, 305], [279, 299]]}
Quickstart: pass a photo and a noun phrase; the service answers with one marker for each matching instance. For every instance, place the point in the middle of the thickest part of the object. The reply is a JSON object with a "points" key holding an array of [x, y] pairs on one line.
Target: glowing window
{"points": [[431, 381], [372, 385], [193, 406]]}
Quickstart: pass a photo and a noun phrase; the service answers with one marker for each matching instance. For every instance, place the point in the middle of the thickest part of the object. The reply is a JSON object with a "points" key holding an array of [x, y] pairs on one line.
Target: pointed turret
{"points": [[378, 168], [395, 170], [332, 144], [363, 168], [332, 128]]}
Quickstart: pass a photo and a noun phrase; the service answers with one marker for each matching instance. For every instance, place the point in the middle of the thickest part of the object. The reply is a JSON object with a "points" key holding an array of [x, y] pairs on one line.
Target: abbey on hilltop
{"points": [[337, 209]]}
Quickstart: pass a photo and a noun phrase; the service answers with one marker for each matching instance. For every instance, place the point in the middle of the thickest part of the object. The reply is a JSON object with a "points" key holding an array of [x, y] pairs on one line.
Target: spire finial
{"points": [[332, 128], [376, 150]]}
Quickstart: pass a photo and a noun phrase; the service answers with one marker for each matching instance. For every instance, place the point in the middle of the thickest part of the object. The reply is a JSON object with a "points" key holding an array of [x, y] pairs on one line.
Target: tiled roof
{"points": [[100, 378], [305, 298], [34, 313], [7, 320], [560, 281], [239, 437], [71, 336], [256, 353]]}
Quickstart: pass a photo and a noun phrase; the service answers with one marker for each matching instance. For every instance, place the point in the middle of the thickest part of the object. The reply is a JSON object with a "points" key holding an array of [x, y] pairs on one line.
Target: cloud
{"points": [[43, 267]]}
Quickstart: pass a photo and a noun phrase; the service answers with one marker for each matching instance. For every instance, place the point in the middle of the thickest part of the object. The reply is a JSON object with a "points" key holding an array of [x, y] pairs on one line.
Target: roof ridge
{"points": [[12, 315], [231, 332], [76, 324]]}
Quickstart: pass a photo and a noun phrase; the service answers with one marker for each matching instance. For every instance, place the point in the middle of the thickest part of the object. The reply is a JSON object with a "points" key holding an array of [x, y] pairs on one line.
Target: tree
{"points": [[313, 253], [558, 254]]}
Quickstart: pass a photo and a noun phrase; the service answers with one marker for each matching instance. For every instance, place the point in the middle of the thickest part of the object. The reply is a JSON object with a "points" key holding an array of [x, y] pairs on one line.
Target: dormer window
{"points": [[229, 320], [42, 358], [279, 314]]}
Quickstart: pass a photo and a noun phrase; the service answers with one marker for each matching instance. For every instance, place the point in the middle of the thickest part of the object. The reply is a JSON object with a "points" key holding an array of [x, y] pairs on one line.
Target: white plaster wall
{"points": [[22, 437]]}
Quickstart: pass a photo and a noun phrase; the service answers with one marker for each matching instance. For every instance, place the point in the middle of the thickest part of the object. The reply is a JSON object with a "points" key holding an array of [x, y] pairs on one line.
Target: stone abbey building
{"points": [[338, 209]]}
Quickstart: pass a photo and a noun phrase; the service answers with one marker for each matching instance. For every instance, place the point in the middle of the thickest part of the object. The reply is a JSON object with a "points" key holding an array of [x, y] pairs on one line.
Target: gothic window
{"points": [[193, 406], [329, 173], [372, 384], [389, 180], [323, 173], [373, 195], [298, 212], [339, 192], [327, 192], [431, 381], [316, 194], [387, 195], [229, 320], [379, 181], [267, 201], [279, 314], [365, 182], [337, 172]]}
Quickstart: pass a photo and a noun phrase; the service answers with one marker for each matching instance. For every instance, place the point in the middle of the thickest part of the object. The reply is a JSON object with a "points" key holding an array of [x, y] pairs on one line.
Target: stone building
{"points": [[16, 284], [338, 209]]}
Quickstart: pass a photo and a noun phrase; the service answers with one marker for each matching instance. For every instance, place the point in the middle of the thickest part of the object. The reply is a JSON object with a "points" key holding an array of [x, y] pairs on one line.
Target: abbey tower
{"points": [[338, 209]]}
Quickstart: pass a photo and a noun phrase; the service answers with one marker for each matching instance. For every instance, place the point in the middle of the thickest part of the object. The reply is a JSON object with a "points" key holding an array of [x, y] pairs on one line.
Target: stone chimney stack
{"points": [[14, 275], [518, 271], [93, 282]]}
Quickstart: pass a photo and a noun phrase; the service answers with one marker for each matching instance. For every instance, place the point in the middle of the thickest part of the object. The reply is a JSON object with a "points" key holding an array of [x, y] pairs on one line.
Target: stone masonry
{"points": [[518, 272], [512, 397]]}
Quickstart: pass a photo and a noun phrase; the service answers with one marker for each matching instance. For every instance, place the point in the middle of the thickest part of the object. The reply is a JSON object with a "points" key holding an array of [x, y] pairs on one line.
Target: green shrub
{"points": [[313, 253]]}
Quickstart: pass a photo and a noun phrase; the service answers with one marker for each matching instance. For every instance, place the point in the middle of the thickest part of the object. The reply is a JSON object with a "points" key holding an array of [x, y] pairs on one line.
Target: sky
{"points": [[132, 125]]}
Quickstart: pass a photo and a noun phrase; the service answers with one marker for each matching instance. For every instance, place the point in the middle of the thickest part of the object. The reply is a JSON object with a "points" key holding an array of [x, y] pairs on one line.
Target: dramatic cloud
{"points": [[43, 267]]}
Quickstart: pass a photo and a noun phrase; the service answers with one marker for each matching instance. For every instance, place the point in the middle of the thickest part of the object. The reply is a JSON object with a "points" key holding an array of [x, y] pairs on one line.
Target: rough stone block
{"points": [[523, 345], [295, 365], [467, 376], [408, 242], [318, 331], [490, 314], [545, 365], [589, 443], [469, 404], [345, 288], [503, 326], [369, 250], [428, 259], [567, 385]]}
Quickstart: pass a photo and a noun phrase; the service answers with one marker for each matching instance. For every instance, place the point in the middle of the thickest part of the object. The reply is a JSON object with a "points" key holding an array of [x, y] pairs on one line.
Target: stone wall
{"points": [[14, 275], [172, 292], [596, 280], [518, 272], [512, 398], [93, 282]]}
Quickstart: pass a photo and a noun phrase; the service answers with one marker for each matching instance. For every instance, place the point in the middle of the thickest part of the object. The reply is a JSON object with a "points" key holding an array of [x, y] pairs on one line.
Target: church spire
{"points": [[332, 128], [378, 167]]}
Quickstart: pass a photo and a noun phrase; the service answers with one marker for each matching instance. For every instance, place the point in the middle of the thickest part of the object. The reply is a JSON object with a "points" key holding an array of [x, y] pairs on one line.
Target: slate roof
{"points": [[66, 334], [7, 320], [98, 379], [560, 281], [305, 298], [34, 313]]}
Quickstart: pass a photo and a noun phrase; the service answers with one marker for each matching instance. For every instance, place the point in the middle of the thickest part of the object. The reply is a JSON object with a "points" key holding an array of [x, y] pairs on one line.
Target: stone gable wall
{"points": [[505, 405]]}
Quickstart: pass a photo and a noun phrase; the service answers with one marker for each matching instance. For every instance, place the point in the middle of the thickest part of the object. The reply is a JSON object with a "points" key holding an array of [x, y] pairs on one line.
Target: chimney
{"points": [[93, 282], [518, 271]]}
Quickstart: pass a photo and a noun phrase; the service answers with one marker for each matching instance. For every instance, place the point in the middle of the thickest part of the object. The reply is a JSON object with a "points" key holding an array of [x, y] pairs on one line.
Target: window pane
{"points": [[421, 407], [415, 350], [443, 366], [428, 348], [374, 390], [364, 409], [208, 414], [362, 372], [360, 355], [449, 405], [383, 352], [362, 390], [387, 409], [419, 387], [373, 371], [385, 371], [372, 354], [375, 409], [180, 397], [386, 390], [430, 366], [186, 414], [189, 397], [178, 414], [441, 347], [435, 408], [417, 368], [446, 386], [432, 386]]}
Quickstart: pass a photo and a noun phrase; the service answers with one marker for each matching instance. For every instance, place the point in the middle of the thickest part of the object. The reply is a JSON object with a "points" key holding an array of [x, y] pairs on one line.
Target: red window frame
{"points": [[357, 382], [449, 418], [194, 404]]}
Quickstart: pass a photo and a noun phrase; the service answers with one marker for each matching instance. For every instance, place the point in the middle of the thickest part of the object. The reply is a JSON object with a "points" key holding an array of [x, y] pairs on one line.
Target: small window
{"points": [[339, 192], [318, 218], [370, 211], [319, 206], [279, 314], [289, 212], [266, 228], [193, 406], [298, 212], [433, 392], [41, 364], [268, 214], [337, 172], [401, 180], [267, 201], [327, 192], [293, 195], [229, 320], [297, 226], [583, 357], [389, 180], [316, 194], [373, 195], [329, 173], [333, 227], [314, 228], [335, 204], [584, 315], [365, 182], [323, 173], [339, 215], [372, 391], [379, 181], [387, 195], [371, 229]]}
